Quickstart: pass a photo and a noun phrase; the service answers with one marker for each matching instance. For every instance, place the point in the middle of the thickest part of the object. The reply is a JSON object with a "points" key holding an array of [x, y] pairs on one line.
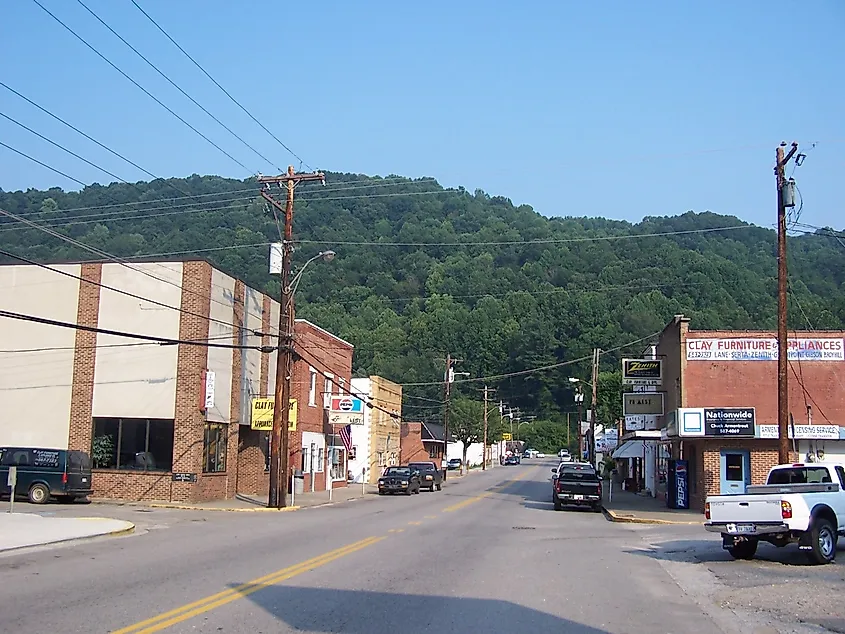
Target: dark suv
{"points": [[430, 475]]}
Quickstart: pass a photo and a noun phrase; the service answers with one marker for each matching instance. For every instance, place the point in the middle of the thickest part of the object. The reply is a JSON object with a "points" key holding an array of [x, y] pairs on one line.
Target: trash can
{"points": [[298, 481]]}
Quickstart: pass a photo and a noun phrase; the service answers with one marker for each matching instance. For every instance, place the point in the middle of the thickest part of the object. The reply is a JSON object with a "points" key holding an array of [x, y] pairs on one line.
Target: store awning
{"points": [[629, 449]]}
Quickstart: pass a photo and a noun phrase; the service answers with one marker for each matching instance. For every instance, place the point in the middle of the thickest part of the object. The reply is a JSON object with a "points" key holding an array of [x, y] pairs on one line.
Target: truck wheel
{"points": [[439, 487], [39, 494], [823, 541], [744, 549], [558, 505]]}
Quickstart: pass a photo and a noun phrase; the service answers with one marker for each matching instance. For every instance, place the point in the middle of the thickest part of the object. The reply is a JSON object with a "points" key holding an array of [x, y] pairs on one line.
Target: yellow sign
{"points": [[507, 437], [262, 414]]}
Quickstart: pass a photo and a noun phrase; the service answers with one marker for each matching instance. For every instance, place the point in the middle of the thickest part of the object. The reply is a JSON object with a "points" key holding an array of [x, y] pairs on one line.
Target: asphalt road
{"points": [[488, 553]]}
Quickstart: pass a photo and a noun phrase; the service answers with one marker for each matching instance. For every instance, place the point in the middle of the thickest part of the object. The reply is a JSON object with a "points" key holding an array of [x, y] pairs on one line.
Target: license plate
{"points": [[739, 529], [85, 479], [578, 497]]}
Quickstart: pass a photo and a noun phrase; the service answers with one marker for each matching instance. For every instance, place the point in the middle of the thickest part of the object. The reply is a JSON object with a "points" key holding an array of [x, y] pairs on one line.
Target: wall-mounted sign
{"points": [[716, 422], [803, 432], [642, 371], [262, 414], [184, 477], [347, 404], [638, 422], [642, 403], [765, 349], [731, 422]]}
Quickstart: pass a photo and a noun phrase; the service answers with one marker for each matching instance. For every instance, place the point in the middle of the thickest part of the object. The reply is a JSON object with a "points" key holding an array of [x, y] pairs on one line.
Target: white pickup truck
{"points": [[803, 503]]}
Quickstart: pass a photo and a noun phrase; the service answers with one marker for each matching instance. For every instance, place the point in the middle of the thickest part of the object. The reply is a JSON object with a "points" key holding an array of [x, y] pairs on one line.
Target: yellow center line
{"points": [[431, 517], [414, 523], [191, 610], [486, 494]]}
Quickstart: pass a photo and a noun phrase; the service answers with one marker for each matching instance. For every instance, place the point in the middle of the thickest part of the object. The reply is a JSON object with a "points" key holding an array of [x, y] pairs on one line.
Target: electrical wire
{"points": [[216, 83], [176, 86], [117, 290], [99, 346], [139, 86], [498, 377], [35, 160], [129, 335]]}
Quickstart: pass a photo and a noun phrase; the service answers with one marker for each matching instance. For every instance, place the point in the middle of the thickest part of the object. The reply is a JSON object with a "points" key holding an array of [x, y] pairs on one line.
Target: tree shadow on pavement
{"points": [[366, 612]]}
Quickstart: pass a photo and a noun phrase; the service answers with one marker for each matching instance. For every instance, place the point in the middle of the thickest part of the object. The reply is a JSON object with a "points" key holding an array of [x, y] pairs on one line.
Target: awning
{"points": [[630, 449]]}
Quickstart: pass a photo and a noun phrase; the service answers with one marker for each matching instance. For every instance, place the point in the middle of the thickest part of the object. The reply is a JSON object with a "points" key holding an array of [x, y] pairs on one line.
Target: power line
{"points": [[35, 160], [99, 346], [175, 85], [114, 258], [116, 290], [63, 148], [139, 86], [552, 366], [226, 92], [129, 335]]}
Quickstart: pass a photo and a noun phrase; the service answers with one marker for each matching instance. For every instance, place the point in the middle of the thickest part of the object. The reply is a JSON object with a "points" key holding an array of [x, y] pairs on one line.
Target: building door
{"points": [[734, 471]]}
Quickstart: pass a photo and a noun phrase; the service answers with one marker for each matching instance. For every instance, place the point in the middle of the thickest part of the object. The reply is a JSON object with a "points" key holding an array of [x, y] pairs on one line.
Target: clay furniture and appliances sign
{"points": [[765, 349]]}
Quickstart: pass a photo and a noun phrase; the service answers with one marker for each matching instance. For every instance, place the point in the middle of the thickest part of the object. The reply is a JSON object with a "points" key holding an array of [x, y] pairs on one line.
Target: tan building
{"points": [[167, 419], [376, 443]]}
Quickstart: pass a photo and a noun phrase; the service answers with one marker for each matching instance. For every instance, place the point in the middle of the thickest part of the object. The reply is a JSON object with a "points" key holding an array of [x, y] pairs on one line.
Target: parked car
{"points": [[454, 464], [577, 485], [800, 503], [430, 476], [510, 460], [399, 480], [45, 473]]}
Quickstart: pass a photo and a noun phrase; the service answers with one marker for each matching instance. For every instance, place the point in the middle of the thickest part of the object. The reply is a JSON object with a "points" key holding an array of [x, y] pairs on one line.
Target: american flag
{"points": [[346, 437]]}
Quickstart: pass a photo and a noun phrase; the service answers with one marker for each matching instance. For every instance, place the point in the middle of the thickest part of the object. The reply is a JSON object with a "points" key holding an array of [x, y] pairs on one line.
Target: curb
{"points": [[186, 507], [613, 516], [118, 533]]}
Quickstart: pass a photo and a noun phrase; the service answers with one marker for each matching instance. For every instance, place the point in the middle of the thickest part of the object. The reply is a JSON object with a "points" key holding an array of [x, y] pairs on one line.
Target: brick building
{"points": [[161, 422], [422, 442], [720, 403]]}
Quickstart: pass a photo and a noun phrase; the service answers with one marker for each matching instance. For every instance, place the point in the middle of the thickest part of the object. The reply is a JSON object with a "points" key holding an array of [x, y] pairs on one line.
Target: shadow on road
{"points": [[365, 612]]}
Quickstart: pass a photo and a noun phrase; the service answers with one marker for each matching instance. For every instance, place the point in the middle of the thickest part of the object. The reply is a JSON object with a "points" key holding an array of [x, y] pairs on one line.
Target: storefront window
{"points": [[137, 444]]}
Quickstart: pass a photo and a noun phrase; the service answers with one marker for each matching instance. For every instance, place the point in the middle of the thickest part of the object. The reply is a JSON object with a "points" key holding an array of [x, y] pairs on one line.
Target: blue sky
{"points": [[617, 109]]}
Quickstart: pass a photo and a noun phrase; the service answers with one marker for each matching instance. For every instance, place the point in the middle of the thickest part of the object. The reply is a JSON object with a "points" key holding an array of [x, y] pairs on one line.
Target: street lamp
{"points": [[280, 442]]}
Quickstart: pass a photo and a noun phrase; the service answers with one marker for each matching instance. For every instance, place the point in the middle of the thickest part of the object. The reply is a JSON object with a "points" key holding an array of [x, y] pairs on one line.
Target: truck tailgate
{"points": [[745, 508]]}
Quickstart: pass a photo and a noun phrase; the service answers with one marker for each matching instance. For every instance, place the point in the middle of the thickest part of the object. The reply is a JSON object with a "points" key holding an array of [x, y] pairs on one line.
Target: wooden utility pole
{"points": [[783, 342], [484, 445], [447, 391], [579, 398], [592, 450], [280, 442]]}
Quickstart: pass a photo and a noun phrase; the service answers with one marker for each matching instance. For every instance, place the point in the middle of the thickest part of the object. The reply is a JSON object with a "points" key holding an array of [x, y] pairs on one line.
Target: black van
{"points": [[42, 473]]}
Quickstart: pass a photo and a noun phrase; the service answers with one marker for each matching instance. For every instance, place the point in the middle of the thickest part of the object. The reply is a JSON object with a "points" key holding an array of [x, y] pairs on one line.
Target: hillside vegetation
{"points": [[422, 271]]}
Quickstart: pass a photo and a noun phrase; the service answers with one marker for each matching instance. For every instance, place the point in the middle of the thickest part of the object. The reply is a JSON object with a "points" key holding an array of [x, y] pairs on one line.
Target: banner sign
{"points": [[765, 349], [803, 432], [262, 414], [642, 371]]}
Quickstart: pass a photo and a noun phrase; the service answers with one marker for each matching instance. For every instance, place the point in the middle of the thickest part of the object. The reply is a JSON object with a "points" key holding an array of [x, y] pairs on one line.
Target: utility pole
{"points": [[447, 391], [579, 398], [567, 431], [596, 354], [487, 392], [280, 442], [783, 344]]}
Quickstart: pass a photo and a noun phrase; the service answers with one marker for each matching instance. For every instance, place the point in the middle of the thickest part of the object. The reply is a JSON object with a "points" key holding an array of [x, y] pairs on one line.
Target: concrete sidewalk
{"points": [[258, 503], [632, 508], [24, 530]]}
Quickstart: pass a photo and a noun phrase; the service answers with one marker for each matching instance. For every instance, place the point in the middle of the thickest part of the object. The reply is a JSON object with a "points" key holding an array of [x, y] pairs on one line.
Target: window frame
{"points": [[312, 389], [220, 430], [148, 423]]}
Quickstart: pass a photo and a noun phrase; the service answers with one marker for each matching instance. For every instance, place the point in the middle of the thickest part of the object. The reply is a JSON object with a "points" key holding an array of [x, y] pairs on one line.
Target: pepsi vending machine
{"points": [[678, 493]]}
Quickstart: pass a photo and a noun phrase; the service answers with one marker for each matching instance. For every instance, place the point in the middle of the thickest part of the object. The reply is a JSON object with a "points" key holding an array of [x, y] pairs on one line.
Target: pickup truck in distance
{"points": [[800, 503], [576, 485]]}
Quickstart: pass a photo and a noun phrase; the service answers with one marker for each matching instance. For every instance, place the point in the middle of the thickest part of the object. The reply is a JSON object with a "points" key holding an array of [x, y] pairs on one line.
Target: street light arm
{"points": [[294, 283]]}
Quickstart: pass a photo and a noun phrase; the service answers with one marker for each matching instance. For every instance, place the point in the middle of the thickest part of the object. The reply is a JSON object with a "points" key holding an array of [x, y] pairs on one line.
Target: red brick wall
{"points": [[134, 486], [411, 447], [706, 456], [84, 357], [326, 354], [820, 384]]}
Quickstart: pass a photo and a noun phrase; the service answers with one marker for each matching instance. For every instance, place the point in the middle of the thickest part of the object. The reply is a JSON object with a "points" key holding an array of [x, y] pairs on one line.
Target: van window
{"points": [[45, 458], [16, 457], [78, 461]]}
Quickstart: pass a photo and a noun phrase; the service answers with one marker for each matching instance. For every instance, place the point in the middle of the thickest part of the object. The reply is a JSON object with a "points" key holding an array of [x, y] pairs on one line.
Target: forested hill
{"points": [[422, 271]]}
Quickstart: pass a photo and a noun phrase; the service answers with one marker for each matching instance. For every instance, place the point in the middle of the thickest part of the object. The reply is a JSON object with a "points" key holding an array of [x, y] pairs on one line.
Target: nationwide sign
{"points": [[642, 371], [731, 422], [642, 403], [765, 349]]}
